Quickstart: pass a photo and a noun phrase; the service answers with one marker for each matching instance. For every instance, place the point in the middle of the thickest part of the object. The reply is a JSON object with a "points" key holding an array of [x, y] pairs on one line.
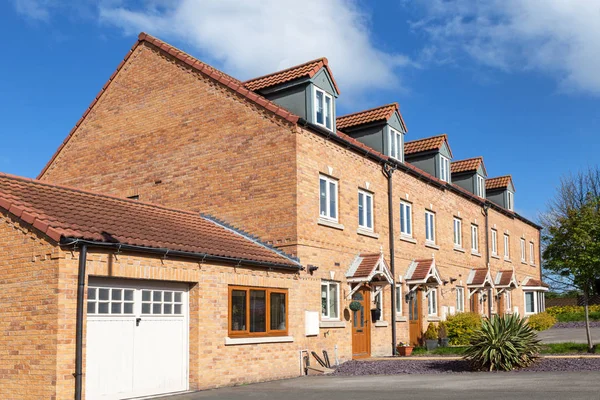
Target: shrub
{"points": [[461, 326], [555, 311], [432, 332], [442, 331], [541, 321], [503, 344]]}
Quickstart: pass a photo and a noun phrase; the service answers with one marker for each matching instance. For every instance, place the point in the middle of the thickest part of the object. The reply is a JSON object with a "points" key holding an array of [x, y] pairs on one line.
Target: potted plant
{"points": [[443, 334], [375, 314], [431, 337], [404, 349]]}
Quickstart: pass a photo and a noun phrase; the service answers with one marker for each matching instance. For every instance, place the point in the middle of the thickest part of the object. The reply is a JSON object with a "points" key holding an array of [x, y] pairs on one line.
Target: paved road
{"points": [[530, 386], [575, 335]]}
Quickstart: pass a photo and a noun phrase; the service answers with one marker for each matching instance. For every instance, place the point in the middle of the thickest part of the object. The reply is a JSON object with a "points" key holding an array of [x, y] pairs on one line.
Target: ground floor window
{"points": [[257, 311], [378, 302], [460, 299], [399, 299], [432, 302], [535, 302], [330, 295], [507, 302]]}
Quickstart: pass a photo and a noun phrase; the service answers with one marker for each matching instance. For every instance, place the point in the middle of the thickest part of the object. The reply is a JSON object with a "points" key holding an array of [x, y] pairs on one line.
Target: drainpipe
{"points": [[486, 208], [79, 323], [388, 171]]}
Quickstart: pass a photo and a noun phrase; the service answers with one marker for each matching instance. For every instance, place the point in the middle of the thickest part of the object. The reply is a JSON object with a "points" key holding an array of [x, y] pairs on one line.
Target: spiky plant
{"points": [[503, 344]]}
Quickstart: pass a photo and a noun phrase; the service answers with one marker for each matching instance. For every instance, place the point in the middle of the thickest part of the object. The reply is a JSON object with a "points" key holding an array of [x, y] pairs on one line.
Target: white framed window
{"points": [[328, 205], [378, 302], [480, 186], [432, 302], [474, 239], [110, 301], [399, 299], [396, 145], [510, 200], [507, 302], [365, 210], [430, 226], [494, 242], [457, 232], [406, 218], [530, 302], [161, 302], [444, 169], [523, 255], [506, 247], [323, 109], [531, 253], [330, 300], [460, 299]]}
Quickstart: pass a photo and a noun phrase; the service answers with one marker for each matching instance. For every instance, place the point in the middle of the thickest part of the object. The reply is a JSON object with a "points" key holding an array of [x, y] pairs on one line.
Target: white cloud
{"points": [[252, 38], [556, 37], [38, 10]]}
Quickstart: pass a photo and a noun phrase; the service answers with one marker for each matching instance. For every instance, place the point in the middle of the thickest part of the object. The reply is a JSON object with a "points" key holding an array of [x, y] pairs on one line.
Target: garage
{"points": [[137, 338]]}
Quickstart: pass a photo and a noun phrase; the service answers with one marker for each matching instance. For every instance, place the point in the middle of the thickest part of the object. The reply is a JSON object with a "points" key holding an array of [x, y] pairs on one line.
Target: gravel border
{"points": [[396, 367], [578, 324]]}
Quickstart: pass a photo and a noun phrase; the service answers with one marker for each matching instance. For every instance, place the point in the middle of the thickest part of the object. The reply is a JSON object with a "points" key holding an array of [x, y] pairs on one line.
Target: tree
{"points": [[572, 236]]}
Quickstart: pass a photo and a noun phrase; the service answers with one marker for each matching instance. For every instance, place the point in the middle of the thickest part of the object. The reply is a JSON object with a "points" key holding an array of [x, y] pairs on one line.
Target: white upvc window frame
{"points": [[510, 200], [378, 301], [460, 299], [327, 111], [444, 168], [480, 186], [531, 253], [432, 303], [474, 239], [523, 255], [508, 301], [457, 232], [327, 316], [429, 226], [494, 242], [366, 210], [406, 219], [506, 247], [399, 299], [395, 144], [535, 302], [328, 196]]}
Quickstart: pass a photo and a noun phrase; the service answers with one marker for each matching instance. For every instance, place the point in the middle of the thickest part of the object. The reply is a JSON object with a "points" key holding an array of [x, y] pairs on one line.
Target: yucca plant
{"points": [[503, 344]]}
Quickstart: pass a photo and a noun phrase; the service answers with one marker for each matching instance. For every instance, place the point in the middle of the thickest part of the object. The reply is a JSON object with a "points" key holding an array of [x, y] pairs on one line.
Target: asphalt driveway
{"points": [[574, 335], [530, 386]]}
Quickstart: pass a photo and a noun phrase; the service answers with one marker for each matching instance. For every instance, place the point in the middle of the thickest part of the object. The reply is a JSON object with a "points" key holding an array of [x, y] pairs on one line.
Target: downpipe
{"points": [[388, 172], [79, 323]]}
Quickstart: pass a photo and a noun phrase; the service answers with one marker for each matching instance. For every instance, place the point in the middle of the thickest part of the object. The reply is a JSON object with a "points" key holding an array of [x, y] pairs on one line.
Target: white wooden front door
{"points": [[137, 339]]}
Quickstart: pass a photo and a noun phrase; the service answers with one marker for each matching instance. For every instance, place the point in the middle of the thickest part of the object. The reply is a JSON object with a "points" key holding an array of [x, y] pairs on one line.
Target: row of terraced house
{"points": [[196, 231]]}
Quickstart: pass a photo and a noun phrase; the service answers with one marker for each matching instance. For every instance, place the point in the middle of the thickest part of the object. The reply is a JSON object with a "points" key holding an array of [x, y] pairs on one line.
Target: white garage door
{"points": [[137, 339]]}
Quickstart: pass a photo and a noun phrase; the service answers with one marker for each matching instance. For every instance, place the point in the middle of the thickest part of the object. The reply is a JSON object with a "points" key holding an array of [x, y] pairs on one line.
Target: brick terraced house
{"points": [[344, 210]]}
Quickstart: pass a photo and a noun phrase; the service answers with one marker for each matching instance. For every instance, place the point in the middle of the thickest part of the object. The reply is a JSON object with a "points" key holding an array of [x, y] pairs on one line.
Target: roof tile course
{"points": [[470, 164], [498, 183], [479, 277], [368, 263], [382, 113], [426, 144], [422, 269], [62, 212]]}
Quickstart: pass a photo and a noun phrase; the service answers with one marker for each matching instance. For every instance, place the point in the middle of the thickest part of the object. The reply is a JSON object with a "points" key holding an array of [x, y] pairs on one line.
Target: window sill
{"points": [[366, 232], [401, 319], [508, 260], [433, 318], [459, 249], [432, 245], [524, 263], [495, 256], [533, 265], [330, 224], [380, 324], [408, 239], [258, 340], [332, 324], [476, 254]]}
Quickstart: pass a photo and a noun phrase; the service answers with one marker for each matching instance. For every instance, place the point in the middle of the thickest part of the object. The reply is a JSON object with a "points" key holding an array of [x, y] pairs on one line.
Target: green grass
{"points": [[574, 317], [566, 348], [440, 351]]}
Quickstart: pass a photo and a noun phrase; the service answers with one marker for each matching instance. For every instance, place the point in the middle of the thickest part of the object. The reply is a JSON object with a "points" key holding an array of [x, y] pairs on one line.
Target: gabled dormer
{"points": [[307, 90], [433, 155], [501, 191], [470, 174], [380, 128]]}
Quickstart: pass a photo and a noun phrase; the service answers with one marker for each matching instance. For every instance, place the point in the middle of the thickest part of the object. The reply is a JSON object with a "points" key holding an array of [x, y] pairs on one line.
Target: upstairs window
{"points": [[531, 254], [523, 257], [330, 300], [444, 169], [510, 200], [494, 242], [506, 247], [474, 239], [406, 218], [323, 109], [365, 210], [430, 226], [328, 198], [395, 141], [457, 233], [480, 186]]}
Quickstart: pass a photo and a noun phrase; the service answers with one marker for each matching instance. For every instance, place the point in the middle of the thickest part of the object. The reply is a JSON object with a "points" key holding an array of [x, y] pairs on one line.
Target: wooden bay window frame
{"points": [[245, 333]]}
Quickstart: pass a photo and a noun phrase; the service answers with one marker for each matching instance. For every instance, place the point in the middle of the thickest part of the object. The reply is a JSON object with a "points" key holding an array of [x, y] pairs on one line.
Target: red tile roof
{"points": [[191, 62], [500, 182], [505, 277], [479, 276], [470, 164], [368, 263], [426, 144], [308, 69], [382, 113], [531, 282], [422, 269], [64, 213]]}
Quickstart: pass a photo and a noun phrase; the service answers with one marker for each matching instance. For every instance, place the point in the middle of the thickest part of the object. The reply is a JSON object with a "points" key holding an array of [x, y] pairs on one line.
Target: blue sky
{"points": [[507, 80]]}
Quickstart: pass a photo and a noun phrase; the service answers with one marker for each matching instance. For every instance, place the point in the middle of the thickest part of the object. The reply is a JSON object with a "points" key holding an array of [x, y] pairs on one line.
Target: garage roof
{"points": [[67, 213]]}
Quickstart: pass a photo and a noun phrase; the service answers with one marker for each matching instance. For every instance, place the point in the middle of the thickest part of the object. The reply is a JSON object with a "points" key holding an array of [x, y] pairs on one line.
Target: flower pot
{"points": [[431, 344], [375, 314], [444, 342], [404, 351]]}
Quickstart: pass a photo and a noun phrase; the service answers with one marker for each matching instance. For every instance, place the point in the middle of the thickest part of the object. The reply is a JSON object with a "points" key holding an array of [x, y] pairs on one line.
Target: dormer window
{"points": [[510, 200], [444, 169], [323, 109], [480, 186], [395, 141]]}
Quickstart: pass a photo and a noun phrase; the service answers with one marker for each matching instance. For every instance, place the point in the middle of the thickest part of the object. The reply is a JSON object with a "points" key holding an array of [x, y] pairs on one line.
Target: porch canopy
{"points": [[533, 284], [368, 268], [479, 279], [422, 273], [505, 281]]}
